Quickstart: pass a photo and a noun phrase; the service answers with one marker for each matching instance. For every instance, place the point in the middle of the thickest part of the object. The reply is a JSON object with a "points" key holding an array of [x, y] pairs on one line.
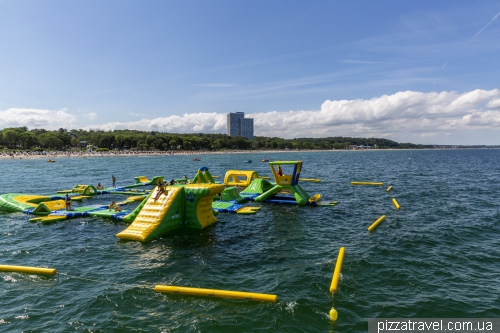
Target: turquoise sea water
{"points": [[438, 256]]}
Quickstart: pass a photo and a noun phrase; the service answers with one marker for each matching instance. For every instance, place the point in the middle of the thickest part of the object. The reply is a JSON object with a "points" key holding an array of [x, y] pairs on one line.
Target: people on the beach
{"points": [[67, 201], [99, 186], [113, 180], [280, 172], [160, 190]]}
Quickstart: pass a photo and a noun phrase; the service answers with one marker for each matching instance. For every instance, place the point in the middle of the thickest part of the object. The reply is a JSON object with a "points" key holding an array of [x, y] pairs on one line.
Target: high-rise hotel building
{"points": [[237, 124]]}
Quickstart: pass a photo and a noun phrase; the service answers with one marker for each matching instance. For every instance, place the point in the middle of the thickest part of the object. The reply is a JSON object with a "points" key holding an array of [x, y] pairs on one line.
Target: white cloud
{"points": [[35, 118], [493, 104], [188, 123], [136, 114], [406, 113], [409, 113], [403, 116], [91, 115]]}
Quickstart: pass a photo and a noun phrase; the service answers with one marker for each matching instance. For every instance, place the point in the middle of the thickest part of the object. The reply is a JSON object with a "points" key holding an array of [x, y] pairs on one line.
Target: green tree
{"points": [[11, 137], [51, 140], [28, 140]]}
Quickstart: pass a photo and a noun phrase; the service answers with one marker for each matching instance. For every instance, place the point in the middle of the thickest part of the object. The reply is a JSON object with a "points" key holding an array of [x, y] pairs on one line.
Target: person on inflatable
{"points": [[161, 189], [112, 205], [67, 201], [99, 186], [280, 172], [113, 180]]}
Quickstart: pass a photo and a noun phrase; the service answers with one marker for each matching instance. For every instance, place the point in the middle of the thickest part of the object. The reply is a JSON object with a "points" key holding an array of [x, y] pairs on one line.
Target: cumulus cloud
{"points": [[400, 116], [493, 104], [187, 123], [91, 115], [408, 112], [35, 118]]}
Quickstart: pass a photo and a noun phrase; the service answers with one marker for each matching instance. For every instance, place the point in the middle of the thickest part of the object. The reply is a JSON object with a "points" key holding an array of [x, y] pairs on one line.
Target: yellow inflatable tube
{"points": [[376, 223], [395, 203], [216, 293], [336, 273], [389, 188], [29, 270], [367, 183]]}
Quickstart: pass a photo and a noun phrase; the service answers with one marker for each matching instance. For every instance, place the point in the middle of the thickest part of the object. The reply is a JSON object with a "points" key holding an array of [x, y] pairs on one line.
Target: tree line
{"points": [[62, 139]]}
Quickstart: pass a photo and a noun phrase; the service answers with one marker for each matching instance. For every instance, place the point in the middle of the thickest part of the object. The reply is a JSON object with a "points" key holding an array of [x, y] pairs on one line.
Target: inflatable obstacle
{"points": [[241, 178], [203, 176], [144, 181], [179, 206], [18, 202], [286, 190]]}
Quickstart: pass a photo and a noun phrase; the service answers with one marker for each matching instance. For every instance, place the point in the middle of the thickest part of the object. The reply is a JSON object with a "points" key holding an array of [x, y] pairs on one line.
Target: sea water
{"points": [[438, 256]]}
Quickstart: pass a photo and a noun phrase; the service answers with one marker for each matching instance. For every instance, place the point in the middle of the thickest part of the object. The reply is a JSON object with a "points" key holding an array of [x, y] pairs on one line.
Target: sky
{"points": [[422, 71]]}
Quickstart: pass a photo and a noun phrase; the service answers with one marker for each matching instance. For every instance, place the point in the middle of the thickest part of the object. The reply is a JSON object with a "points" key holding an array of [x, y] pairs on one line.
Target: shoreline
{"points": [[58, 155]]}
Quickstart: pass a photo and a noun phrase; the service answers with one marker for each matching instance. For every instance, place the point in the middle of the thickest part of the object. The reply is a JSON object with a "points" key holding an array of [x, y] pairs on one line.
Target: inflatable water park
{"points": [[191, 203], [165, 207]]}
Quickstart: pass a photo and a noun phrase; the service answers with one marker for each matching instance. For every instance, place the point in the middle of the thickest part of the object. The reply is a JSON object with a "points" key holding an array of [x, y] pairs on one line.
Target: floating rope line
{"points": [[107, 282]]}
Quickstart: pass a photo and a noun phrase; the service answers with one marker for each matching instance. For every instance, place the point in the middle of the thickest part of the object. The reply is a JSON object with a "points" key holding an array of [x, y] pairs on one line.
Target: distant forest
{"points": [[62, 139]]}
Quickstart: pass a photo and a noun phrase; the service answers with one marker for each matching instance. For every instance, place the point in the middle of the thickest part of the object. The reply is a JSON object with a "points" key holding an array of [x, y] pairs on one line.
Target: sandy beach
{"points": [[61, 154]]}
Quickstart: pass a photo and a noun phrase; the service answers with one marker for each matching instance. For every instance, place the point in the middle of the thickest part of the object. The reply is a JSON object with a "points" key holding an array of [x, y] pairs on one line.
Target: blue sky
{"points": [[422, 71]]}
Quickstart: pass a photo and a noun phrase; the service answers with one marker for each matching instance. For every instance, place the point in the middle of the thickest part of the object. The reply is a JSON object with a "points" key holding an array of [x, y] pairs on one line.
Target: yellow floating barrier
{"points": [[389, 188], [367, 183], [336, 273], [310, 180], [216, 293], [376, 223], [29, 270], [395, 203]]}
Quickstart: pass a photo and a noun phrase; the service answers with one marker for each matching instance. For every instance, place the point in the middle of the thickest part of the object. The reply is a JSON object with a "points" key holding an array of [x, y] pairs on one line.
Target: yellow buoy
{"points": [[389, 188], [336, 273], [367, 183], [216, 293], [376, 223], [29, 270], [333, 314], [310, 180], [395, 203]]}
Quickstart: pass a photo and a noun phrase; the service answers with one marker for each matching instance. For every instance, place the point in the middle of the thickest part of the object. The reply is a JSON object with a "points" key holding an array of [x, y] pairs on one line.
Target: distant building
{"points": [[238, 125]]}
